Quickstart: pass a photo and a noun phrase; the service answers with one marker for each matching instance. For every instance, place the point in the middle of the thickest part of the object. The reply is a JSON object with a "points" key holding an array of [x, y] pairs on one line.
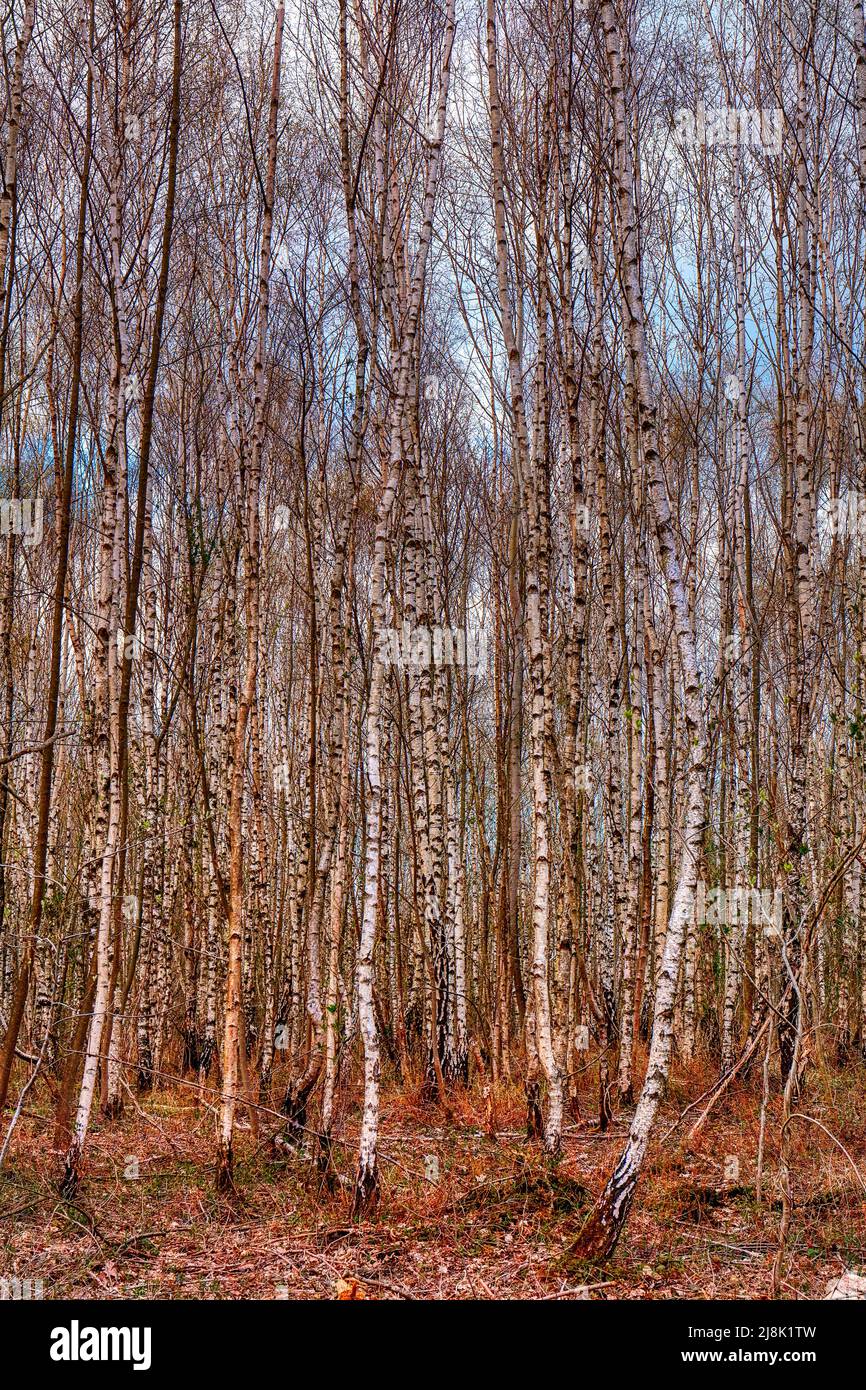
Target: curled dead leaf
{"points": [[349, 1289]]}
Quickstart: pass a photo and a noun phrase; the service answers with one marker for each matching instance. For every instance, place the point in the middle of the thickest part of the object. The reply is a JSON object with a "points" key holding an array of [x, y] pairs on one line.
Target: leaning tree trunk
{"points": [[605, 1224]]}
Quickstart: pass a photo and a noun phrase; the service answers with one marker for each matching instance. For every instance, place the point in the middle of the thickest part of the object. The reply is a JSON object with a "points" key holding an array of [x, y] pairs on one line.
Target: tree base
{"points": [[206, 1058], [534, 1118], [113, 1108], [225, 1181], [295, 1103], [603, 1227], [553, 1148], [366, 1192], [191, 1050], [325, 1164], [71, 1180]]}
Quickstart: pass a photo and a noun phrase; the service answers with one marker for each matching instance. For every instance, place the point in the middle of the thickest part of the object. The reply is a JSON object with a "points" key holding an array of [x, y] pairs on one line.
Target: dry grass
{"points": [[498, 1222]]}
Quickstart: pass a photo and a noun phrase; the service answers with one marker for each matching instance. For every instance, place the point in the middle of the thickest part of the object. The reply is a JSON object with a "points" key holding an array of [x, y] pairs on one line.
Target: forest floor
{"points": [[463, 1213]]}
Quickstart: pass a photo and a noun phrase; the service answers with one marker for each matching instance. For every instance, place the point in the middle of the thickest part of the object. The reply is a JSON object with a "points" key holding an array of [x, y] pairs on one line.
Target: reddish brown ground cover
{"points": [[497, 1221]]}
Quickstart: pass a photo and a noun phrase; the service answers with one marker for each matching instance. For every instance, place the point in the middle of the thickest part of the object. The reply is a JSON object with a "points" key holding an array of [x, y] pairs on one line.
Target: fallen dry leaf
{"points": [[349, 1289]]}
